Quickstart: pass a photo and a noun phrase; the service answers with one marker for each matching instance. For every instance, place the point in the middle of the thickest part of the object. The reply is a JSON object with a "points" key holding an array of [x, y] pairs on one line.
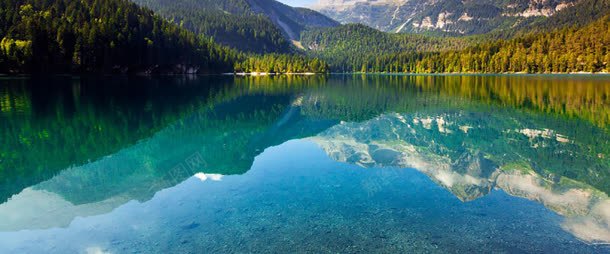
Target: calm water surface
{"points": [[348, 164]]}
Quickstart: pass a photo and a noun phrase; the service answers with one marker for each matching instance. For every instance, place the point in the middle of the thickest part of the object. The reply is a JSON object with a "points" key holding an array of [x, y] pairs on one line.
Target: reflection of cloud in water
{"points": [[204, 177], [95, 250], [390, 141], [572, 201], [41, 209], [592, 226], [587, 213]]}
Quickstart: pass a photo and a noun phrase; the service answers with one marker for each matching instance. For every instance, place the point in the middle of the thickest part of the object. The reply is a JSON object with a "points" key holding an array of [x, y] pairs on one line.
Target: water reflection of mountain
{"points": [[471, 153], [51, 124], [154, 144], [222, 141]]}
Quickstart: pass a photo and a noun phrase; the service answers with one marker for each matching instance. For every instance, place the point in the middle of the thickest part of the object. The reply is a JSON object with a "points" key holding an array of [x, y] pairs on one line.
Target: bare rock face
{"points": [[453, 16]]}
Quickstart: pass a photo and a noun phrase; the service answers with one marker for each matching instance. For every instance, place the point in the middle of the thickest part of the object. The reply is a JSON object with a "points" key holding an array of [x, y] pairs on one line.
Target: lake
{"points": [[283, 164]]}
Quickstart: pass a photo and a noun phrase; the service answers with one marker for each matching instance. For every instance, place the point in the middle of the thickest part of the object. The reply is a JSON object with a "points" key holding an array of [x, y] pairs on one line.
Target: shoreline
{"points": [[271, 73], [262, 74], [475, 73]]}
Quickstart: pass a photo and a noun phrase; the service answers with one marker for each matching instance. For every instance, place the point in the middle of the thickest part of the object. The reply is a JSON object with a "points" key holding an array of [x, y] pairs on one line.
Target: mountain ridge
{"points": [[445, 16], [258, 26]]}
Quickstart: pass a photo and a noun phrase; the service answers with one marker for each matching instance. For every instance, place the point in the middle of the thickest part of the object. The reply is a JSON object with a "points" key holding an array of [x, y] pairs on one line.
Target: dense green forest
{"points": [[291, 20], [229, 22], [257, 26], [350, 46], [117, 36], [68, 36], [277, 63], [569, 49], [113, 36]]}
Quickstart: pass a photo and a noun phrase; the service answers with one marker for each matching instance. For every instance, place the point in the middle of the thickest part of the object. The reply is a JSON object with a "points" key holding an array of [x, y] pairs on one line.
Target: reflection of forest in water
{"points": [[49, 125]]}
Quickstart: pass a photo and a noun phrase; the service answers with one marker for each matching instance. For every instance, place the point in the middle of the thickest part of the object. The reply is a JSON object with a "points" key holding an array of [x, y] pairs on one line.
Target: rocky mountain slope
{"points": [[453, 16]]}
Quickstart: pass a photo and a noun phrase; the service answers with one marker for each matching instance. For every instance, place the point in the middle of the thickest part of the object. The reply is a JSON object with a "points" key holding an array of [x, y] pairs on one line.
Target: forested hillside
{"points": [[564, 50], [347, 47], [229, 22], [258, 26], [93, 35], [291, 20], [116, 36]]}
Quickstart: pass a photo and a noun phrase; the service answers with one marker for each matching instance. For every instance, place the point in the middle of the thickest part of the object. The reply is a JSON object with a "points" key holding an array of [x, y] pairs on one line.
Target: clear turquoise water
{"points": [[347, 164]]}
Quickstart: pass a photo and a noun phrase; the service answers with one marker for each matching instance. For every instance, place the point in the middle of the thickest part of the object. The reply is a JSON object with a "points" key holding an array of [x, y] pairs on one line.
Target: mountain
{"points": [[581, 14], [291, 20], [357, 38], [230, 23], [100, 36], [349, 47], [356, 48], [449, 16], [259, 26]]}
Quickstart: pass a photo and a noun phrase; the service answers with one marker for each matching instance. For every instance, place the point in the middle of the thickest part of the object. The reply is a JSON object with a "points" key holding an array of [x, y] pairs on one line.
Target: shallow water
{"points": [[346, 164]]}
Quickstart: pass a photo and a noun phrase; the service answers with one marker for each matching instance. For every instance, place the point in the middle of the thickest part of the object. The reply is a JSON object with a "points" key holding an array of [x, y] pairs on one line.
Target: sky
{"points": [[298, 3]]}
